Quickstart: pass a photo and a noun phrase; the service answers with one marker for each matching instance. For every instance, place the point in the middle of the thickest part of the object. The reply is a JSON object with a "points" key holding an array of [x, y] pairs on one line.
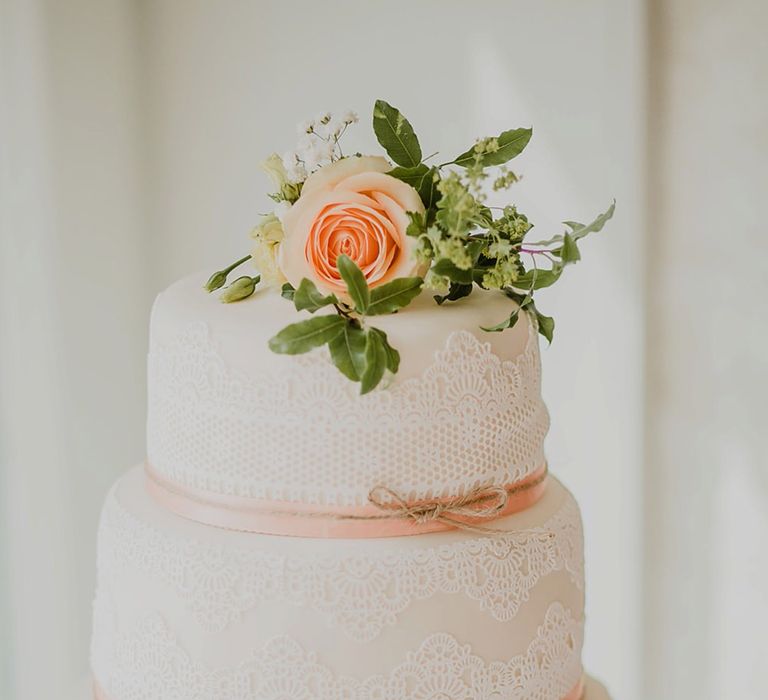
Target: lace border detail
{"points": [[470, 419], [149, 663], [361, 595]]}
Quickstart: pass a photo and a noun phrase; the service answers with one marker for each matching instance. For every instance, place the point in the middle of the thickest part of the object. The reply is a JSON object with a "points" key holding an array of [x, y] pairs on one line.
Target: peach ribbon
{"points": [[386, 514], [578, 692]]}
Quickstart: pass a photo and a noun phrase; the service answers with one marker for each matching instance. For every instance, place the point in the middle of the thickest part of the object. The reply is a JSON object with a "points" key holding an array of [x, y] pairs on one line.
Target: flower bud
{"points": [[240, 289], [216, 281]]}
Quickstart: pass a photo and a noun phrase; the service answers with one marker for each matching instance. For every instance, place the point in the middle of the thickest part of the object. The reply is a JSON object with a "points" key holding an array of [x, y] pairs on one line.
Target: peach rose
{"points": [[350, 207]]}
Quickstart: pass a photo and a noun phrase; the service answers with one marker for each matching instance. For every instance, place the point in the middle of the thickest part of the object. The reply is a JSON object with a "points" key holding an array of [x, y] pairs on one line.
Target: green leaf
{"points": [[538, 278], [428, 191], [422, 179], [287, 291], [506, 323], [348, 351], [394, 295], [417, 224], [355, 281], [546, 325], [524, 303], [447, 268], [580, 230], [455, 291], [521, 300], [411, 176], [301, 337], [307, 296], [511, 144], [475, 246], [396, 135], [393, 356], [569, 252], [486, 216], [375, 362]]}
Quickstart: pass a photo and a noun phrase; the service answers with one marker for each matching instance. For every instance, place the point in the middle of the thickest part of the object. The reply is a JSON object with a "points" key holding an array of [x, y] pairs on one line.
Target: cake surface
{"points": [[227, 415]]}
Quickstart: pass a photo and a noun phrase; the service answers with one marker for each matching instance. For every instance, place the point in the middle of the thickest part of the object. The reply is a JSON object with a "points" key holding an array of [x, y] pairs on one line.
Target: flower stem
{"points": [[229, 269], [532, 251]]}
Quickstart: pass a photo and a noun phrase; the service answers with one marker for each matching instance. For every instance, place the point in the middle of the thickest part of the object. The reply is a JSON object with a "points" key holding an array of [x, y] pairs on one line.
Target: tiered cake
{"points": [[185, 610], [356, 505]]}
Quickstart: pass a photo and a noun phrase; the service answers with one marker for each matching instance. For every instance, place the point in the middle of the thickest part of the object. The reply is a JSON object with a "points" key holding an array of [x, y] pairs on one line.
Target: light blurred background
{"points": [[130, 137]]}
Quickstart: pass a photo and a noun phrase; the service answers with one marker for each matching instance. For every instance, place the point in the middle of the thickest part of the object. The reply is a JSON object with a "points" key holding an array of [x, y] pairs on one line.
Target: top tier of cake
{"points": [[229, 416]]}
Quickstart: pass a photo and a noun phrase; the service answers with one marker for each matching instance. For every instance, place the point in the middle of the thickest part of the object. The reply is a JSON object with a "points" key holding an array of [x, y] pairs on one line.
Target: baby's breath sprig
{"points": [[319, 145]]}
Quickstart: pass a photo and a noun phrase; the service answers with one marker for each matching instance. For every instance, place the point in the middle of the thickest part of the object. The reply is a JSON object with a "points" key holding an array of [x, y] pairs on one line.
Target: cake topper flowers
{"points": [[359, 236]]}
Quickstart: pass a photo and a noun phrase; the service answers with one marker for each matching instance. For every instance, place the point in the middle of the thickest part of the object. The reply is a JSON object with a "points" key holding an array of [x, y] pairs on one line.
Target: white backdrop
{"points": [[707, 344], [131, 134]]}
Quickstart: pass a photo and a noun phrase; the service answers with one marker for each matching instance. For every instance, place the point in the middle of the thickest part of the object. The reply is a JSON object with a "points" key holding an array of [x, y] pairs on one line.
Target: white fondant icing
{"points": [[228, 415]]}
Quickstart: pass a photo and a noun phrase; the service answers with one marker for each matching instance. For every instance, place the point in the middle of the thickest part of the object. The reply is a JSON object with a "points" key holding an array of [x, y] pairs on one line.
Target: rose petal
{"points": [[329, 176]]}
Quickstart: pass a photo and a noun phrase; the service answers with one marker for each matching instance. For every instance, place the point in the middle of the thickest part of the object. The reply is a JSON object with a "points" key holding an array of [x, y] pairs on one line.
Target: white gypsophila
{"points": [[281, 209], [303, 148], [335, 127], [314, 152], [305, 127], [304, 145], [294, 167], [318, 154], [349, 116], [323, 118]]}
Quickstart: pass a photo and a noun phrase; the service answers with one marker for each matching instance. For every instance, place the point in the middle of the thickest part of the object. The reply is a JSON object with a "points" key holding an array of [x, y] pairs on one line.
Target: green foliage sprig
{"points": [[463, 243], [361, 352], [466, 243]]}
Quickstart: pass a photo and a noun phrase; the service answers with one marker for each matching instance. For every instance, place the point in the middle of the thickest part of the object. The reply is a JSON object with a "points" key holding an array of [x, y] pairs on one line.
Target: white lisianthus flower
{"points": [[281, 209], [268, 235], [275, 169]]}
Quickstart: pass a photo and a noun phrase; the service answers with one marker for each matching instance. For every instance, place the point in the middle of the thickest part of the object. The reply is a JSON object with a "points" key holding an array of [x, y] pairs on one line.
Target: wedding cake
{"points": [[336, 510]]}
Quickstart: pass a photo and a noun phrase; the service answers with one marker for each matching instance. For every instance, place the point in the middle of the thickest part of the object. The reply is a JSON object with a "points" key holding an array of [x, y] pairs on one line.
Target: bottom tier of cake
{"points": [[191, 612]]}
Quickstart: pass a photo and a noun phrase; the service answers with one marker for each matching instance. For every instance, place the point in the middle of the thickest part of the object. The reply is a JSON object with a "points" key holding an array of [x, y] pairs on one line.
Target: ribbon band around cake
{"points": [[387, 513]]}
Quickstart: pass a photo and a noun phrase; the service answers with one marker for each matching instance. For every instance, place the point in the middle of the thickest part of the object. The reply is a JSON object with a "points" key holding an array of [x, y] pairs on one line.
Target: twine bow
{"points": [[481, 503]]}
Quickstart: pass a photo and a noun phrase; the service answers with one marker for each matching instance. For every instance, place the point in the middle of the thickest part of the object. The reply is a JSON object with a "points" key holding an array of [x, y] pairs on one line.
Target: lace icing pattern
{"points": [[469, 419], [358, 594], [148, 663]]}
